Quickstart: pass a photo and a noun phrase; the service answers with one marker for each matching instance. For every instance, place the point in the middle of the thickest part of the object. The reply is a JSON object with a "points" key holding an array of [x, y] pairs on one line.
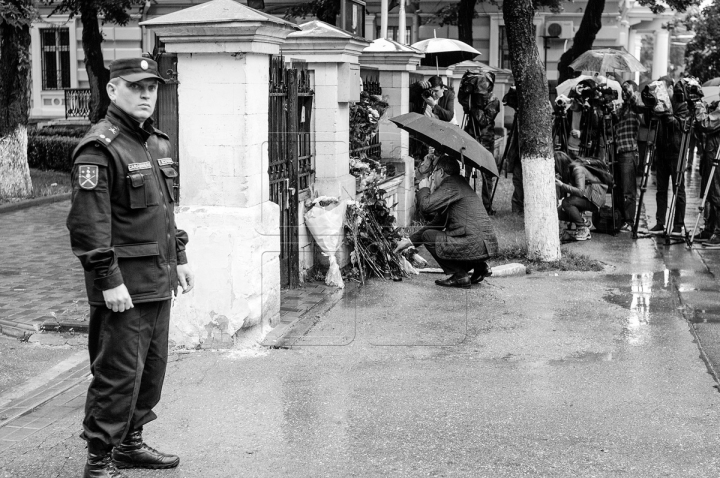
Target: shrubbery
{"points": [[50, 148], [51, 152]]}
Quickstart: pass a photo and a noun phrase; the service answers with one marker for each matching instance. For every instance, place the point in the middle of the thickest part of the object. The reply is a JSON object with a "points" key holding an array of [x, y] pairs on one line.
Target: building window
{"points": [[393, 34], [55, 50], [504, 50]]}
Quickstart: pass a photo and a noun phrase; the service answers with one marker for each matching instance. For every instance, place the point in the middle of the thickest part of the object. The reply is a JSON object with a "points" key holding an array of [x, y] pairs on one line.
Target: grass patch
{"points": [[45, 183]]}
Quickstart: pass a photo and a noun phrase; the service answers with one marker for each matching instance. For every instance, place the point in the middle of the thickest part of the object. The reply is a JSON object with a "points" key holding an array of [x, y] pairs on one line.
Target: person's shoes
{"points": [[479, 273], [626, 227], [134, 453], [712, 243], [703, 236], [677, 231], [101, 466], [583, 234], [462, 282], [657, 229]]}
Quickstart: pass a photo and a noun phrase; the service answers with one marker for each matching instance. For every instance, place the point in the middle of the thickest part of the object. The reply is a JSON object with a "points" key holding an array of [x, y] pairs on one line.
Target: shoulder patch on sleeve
{"points": [[88, 175]]}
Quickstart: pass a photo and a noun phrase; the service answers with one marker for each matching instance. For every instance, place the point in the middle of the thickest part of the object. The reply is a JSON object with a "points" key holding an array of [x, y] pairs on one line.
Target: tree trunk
{"points": [[466, 13], [98, 75], [584, 38], [534, 113], [14, 109]]}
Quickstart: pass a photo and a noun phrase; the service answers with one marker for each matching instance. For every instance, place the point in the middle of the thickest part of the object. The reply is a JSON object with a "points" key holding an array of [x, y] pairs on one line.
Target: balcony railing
{"points": [[77, 103]]}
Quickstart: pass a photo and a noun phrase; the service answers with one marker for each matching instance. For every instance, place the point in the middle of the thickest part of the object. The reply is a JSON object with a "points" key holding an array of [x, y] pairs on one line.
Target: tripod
{"points": [[609, 137], [508, 143], [687, 139], [649, 159], [709, 185], [559, 131], [470, 171]]}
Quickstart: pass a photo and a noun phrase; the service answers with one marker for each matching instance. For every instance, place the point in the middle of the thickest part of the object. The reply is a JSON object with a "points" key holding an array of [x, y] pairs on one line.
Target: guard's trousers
{"points": [[128, 357]]}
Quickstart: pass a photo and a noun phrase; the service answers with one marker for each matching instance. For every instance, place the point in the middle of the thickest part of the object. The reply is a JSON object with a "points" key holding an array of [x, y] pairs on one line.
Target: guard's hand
{"points": [[575, 133], [558, 182], [186, 278], [403, 244], [118, 299]]}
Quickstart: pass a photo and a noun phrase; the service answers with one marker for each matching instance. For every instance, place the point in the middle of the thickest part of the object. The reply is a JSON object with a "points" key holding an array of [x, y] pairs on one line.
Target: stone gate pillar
{"points": [[223, 50], [395, 62], [332, 54]]}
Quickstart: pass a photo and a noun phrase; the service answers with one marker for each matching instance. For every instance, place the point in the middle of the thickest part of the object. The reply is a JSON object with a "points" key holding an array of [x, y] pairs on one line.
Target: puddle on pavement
{"points": [[583, 357]]}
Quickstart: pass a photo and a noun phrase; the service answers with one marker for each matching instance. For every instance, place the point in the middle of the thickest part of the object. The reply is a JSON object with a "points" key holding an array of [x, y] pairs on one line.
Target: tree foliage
{"points": [[324, 10], [703, 52], [90, 11]]}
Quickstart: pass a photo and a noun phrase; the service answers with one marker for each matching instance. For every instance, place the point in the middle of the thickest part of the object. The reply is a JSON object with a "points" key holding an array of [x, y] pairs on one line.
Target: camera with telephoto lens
{"points": [[688, 90], [603, 96], [563, 103]]}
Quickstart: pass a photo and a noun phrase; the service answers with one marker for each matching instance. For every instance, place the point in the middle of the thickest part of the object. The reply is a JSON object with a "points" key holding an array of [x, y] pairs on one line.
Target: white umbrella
{"points": [[440, 46]]}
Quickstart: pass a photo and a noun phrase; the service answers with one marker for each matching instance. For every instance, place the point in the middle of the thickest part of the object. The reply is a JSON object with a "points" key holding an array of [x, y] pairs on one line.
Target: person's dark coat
{"points": [[458, 211], [670, 131]]}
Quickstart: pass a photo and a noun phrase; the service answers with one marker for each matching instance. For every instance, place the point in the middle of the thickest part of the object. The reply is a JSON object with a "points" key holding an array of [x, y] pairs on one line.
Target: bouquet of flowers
{"points": [[325, 221]]}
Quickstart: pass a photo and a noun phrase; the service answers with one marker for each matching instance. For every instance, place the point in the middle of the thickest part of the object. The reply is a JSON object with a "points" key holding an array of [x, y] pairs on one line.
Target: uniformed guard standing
{"points": [[122, 228]]}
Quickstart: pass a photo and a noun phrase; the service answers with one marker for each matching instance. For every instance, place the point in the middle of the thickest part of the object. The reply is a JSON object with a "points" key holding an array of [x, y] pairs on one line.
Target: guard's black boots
{"points": [[134, 453], [101, 465]]}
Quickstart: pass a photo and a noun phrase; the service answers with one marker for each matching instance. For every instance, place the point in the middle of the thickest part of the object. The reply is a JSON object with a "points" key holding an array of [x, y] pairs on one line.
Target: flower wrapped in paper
{"points": [[325, 221]]}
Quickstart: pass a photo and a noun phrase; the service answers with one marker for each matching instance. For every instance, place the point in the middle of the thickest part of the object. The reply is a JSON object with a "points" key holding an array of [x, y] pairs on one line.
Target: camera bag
{"points": [[603, 220]]}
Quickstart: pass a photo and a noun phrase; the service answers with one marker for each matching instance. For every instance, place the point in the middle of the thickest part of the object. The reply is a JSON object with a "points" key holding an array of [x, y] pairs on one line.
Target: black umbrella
{"points": [[449, 139]]}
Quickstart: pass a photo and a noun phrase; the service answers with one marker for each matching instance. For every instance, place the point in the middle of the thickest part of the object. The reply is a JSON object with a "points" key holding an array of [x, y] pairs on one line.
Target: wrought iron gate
{"points": [[166, 109], [290, 155]]}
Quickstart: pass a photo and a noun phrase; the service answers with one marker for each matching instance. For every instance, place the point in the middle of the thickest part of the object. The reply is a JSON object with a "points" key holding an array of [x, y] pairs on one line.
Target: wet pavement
{"points": [[551, 374]]}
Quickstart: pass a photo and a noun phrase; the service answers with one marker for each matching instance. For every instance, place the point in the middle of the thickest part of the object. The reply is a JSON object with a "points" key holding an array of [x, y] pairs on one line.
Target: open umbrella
{"points": [[444, 51], [567, 85], [605, 60], [713, 82], [447, 138]]}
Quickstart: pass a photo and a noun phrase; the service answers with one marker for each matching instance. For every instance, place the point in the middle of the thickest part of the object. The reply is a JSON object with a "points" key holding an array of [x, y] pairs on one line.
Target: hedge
{"points": [[51, 152], [72, 131]]}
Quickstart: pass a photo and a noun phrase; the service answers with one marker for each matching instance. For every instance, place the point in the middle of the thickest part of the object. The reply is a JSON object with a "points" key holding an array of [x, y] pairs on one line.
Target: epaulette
{"points": [[101, 134]]}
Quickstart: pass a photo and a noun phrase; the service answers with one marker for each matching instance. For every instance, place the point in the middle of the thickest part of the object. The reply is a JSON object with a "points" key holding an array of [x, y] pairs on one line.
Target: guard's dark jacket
{"points": [[122, 223]]}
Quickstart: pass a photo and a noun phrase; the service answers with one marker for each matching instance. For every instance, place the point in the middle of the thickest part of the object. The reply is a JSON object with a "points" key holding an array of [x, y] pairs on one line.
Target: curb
{"points": [[284, 336], [16, 206]]}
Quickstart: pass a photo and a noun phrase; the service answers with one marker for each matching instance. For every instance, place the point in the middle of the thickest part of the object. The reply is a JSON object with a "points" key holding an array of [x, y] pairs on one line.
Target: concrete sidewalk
{"points": [[550, 374]]}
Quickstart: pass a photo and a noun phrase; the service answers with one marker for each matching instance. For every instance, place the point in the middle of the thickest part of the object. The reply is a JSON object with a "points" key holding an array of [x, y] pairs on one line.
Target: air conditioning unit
{"points": [[562, 30]]}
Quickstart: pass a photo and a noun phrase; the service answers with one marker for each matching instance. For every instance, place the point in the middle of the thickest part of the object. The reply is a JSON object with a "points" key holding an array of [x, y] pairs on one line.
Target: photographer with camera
{"points": [[481, 107], [584, 121], [432, 98], [669, 139], [707, 121], [580, 191], [626, 153]]}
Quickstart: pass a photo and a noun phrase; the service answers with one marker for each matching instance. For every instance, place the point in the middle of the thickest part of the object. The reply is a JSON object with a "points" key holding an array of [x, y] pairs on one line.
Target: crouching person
{"points": [[122, 228], [580, 191], [460, 236]]}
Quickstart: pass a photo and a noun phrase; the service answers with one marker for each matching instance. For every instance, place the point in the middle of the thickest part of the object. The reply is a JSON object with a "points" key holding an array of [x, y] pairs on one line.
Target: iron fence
{"points": [[77, 103]]}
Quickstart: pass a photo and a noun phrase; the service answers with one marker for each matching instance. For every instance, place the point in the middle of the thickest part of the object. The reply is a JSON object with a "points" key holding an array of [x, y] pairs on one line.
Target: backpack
{"points": [[603, 220], [599, 169], [474, 87]]}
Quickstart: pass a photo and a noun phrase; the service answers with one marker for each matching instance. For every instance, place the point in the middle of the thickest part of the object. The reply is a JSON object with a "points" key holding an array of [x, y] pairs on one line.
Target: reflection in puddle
{"points": [[639, 318]]}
